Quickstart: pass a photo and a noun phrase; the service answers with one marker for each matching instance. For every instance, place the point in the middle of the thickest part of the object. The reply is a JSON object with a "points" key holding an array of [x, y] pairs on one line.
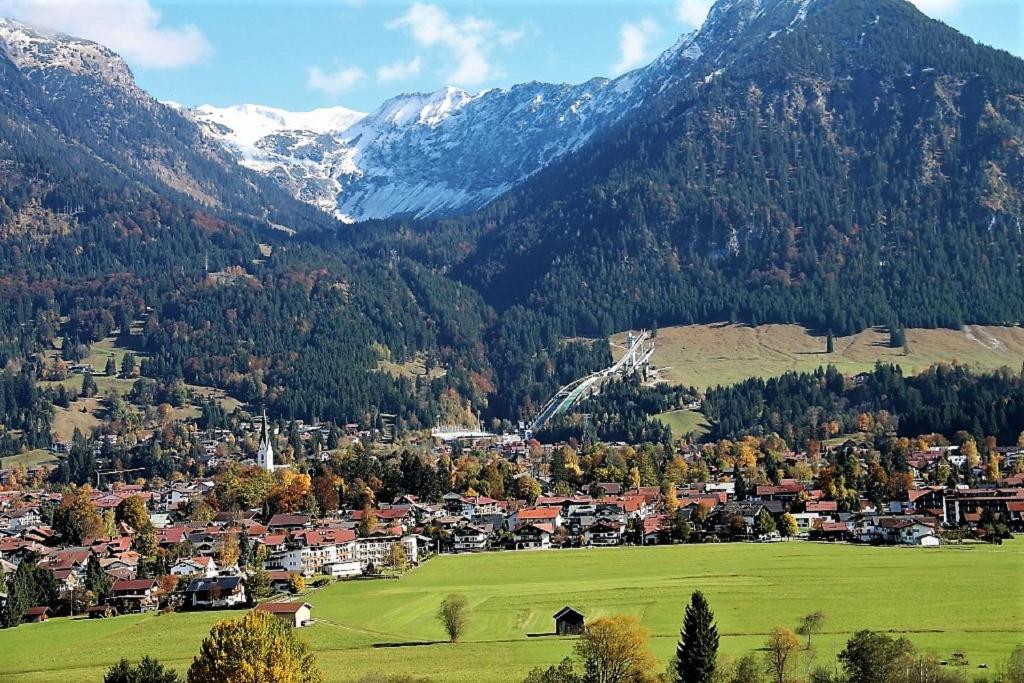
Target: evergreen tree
{"points": [[148, 670], [20, 595], [245, 549], [830, 343], [96, 580], [88, 385], [739, 481], [698, 643], [111, 368]]}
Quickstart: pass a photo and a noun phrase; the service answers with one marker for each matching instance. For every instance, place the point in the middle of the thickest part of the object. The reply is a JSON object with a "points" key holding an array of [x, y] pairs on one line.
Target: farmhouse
{"points": [[135, 595], [225, 591], [533, 536], [604, 532], [202, 566], [469, 538], [295, 614]]}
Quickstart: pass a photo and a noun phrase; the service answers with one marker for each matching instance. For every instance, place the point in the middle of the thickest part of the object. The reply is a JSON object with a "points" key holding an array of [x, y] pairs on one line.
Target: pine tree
{"points": [[698, 643], [111, 368], [20, 595], [96, 580], [128, 364], [830, 343], [740, 490], [88, 385]]}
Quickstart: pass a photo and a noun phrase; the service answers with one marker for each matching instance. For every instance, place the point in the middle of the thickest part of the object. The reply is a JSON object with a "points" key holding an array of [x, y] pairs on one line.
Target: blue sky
{"points": [[357, 53]]}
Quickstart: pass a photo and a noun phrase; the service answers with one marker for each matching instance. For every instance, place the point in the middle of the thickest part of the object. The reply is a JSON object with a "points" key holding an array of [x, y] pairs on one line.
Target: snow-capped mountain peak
{"points": [[426, 154], [423, 108], [31, 48]]}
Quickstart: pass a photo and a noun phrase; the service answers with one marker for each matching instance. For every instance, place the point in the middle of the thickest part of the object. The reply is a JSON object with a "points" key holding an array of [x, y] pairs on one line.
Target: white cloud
{"points": [[400, 71], [938, 8], [132, 28], [467, 41], [693, 12], [333, 83], [634, 44]]}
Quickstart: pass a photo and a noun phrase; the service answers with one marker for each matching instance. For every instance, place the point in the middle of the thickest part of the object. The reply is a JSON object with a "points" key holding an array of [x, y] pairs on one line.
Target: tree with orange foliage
{"points": [[289, 493]]}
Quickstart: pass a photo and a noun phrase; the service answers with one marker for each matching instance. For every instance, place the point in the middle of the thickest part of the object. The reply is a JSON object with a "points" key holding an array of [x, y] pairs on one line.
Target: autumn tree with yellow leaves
{"points": [[254, 649]]}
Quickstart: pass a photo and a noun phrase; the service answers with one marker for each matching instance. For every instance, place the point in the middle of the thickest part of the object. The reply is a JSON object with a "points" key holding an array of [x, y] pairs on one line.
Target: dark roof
{"points": [[36, 611], [568, 612], [134, 585], [282, 519], [224, 583]]}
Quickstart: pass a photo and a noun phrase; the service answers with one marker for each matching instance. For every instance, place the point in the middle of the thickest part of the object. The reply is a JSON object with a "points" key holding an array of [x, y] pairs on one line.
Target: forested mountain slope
{"points": [[861, 165], [115, 211]]}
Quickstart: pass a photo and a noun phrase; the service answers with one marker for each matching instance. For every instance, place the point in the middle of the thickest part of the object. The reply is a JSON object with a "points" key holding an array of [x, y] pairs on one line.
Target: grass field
{"points": [[709, 355], [966, 598], [40, 456], [683, 422]]}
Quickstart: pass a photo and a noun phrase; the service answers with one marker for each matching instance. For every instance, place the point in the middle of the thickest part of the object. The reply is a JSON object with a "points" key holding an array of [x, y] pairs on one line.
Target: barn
{"points": [[568, 622], [295, 614]]}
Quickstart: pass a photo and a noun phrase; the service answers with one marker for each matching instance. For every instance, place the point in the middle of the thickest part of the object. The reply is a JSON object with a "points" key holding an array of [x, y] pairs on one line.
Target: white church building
{"points": [[265, 454]]}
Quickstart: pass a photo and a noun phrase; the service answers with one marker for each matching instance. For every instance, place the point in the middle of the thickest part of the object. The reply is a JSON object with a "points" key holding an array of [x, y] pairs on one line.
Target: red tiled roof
{"points": [[538, 513]]}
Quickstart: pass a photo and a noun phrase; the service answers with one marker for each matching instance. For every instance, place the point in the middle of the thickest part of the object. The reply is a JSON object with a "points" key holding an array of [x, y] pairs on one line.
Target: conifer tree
{"points": [[698, 643]]}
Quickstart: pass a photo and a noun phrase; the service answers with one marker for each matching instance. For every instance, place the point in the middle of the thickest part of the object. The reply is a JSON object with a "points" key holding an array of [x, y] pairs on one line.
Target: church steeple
{"points": [[265, 454]]}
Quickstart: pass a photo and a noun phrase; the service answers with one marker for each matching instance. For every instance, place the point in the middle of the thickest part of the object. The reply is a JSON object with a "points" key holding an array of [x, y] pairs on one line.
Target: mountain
{"points": [[433, 154], [74, 97], [837, 163], [118, 217]]}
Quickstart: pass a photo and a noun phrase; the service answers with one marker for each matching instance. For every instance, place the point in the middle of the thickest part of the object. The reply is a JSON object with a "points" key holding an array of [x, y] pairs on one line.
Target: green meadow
{"points": [[955, 598]]}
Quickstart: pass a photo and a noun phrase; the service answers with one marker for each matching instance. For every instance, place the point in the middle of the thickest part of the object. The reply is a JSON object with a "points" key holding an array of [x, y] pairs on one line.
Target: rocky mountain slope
{"points": [[433, 154], [72, 98]]}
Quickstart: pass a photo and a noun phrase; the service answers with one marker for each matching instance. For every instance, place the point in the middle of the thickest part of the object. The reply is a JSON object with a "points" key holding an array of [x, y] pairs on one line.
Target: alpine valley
{"points": [[840, 164]]}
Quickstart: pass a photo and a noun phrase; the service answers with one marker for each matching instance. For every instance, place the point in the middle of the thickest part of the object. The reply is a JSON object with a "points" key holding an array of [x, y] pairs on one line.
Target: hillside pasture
{"points": [[722, 354]]}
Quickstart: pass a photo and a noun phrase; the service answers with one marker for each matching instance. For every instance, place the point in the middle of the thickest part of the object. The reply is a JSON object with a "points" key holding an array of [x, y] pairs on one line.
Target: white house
{"points": [[469, 538], [200, 566], [225, 591], [533, 536]]}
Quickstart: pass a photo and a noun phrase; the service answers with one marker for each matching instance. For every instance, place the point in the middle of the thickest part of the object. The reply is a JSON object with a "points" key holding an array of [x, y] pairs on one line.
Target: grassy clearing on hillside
{"points": [[40, 456], [85, 414], [683, 422], [931, 595], [709, 355]]}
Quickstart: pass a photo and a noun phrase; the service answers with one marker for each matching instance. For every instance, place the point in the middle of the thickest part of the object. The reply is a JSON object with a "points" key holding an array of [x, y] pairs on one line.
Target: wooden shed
{"points": [[568, 622], [36, 614]]}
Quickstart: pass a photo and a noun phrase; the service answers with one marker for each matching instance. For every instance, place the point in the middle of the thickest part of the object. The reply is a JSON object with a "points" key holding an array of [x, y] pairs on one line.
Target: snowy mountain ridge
{"points": [[430, 154]]}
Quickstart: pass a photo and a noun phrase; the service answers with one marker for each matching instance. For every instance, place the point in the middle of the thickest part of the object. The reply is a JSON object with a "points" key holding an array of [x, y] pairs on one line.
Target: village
{"points": [[164, 546]]}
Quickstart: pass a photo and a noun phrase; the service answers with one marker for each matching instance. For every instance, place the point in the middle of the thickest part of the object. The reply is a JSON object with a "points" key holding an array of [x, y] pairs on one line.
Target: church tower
{"points": [[265, 454]]}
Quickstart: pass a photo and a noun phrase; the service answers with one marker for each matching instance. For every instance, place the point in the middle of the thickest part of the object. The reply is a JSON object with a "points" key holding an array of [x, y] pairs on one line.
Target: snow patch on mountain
{"points": [[430, 154]]}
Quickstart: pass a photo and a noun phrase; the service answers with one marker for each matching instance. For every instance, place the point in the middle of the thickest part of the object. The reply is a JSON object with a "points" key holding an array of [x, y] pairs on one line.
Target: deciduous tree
{"points": [[615, 650], [453, 614], [780, 650], [811, 624], [254, 649]]}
